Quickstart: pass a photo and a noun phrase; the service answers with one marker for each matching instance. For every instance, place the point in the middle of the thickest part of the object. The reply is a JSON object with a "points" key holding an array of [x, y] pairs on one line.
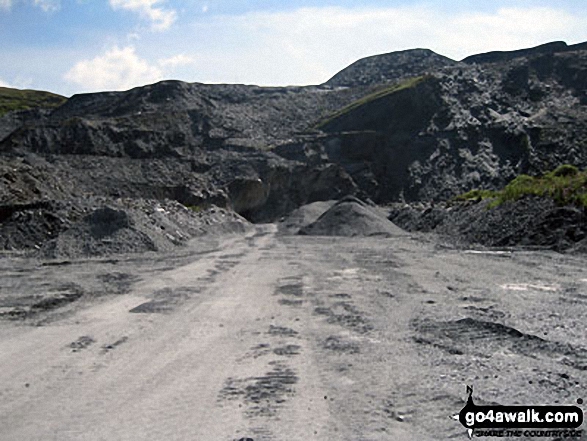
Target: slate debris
{"points": [[114, 172], [531, 222], [351, 217]]}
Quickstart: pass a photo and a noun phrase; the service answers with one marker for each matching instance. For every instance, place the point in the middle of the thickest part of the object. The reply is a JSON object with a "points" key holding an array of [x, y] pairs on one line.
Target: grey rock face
{"points": [[247, 194], [466, 127], [351, 217], [548, 48], [405, 126], [530, 221], [172, 118], [390, 68]]}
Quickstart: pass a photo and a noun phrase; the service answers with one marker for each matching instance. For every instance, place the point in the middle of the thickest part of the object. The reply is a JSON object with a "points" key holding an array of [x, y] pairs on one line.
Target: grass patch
{"points": [[196, 208], [200, 208], [383, 92], [566, 185], [15, 99], [475, 195]]}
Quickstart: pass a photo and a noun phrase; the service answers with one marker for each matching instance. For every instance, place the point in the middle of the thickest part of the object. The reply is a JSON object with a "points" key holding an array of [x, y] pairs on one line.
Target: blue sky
{"points": [[75, 46]]}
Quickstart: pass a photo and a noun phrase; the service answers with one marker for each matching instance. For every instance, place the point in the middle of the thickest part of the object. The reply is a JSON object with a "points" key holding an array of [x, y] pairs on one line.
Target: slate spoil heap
{"points": [[168, 160], [351, 217]]}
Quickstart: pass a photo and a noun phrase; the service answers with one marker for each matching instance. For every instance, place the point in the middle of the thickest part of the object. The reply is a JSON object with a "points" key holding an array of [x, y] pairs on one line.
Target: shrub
{"points": [[566, 185], [475, 194], [15, 99], [564, 170], [383, 92]]}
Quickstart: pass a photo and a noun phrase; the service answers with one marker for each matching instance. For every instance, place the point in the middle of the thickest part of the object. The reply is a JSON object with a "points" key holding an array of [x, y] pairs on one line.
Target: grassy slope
{"points": [[566, 185], [383, 92], [15, 99]]}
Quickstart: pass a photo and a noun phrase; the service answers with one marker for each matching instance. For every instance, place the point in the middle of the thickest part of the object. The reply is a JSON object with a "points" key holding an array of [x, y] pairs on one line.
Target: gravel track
{"points": [[271, 337]]}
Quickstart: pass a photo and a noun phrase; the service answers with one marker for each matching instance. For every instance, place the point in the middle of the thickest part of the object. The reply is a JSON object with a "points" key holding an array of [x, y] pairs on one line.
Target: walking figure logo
{"points": [[469, 405], [499, 420]]}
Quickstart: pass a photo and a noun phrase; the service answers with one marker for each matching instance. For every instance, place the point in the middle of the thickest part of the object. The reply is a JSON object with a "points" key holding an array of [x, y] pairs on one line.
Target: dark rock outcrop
{"points": [[543, 49], [406, 126], [465, 127], [390, 67], [530, 221], [173, 118]]}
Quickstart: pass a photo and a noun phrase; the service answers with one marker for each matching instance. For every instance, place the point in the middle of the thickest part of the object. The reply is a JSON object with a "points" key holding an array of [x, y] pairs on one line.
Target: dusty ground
{"points": [[285, 338]]}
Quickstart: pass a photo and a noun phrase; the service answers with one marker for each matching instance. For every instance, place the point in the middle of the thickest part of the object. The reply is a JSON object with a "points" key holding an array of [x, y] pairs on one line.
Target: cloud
{"points": [[45, 5], [176, 60], [117, 69], [305, 46], [510, 28], [48, 5], [122, 69], [18, 82], [308, 45], [161, 19]]}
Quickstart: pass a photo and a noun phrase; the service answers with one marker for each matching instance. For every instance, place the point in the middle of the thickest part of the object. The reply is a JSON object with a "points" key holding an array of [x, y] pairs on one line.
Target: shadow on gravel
{"points": [[281, 331], [469, 334], [347, 315], [117, 283], [262, 395], [288, 350], [338, 344], [29, 306], [165, 300], [288, 302], [81, 343], [296, 290]]}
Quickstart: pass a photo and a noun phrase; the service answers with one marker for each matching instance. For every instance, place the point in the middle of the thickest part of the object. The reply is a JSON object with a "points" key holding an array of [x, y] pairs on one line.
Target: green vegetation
{"points": [[199, 208], [475, 194], [196, 208], [566, 185], [383, 92], [15, 99]]}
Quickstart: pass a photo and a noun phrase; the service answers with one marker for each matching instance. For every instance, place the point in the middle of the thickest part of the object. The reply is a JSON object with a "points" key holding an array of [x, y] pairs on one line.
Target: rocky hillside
{"points": [[193, 143], [466, 126], [19, 106], [171, 118], [547, 211], [544, 49], [15, 99], [390, 67], [405, 126]]}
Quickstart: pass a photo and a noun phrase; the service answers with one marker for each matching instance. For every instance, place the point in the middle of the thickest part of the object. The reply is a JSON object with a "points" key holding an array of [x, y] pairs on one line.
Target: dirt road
{"points": [[286, 338]]}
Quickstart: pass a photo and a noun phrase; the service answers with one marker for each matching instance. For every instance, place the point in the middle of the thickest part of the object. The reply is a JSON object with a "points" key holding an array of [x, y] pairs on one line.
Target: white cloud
{"points": [[45, 5], [160, 18], [510, 28], [176, 60], [48, 5], [117, 69], [304, 46], [308, 45], [18, 82], [122, 69]]}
